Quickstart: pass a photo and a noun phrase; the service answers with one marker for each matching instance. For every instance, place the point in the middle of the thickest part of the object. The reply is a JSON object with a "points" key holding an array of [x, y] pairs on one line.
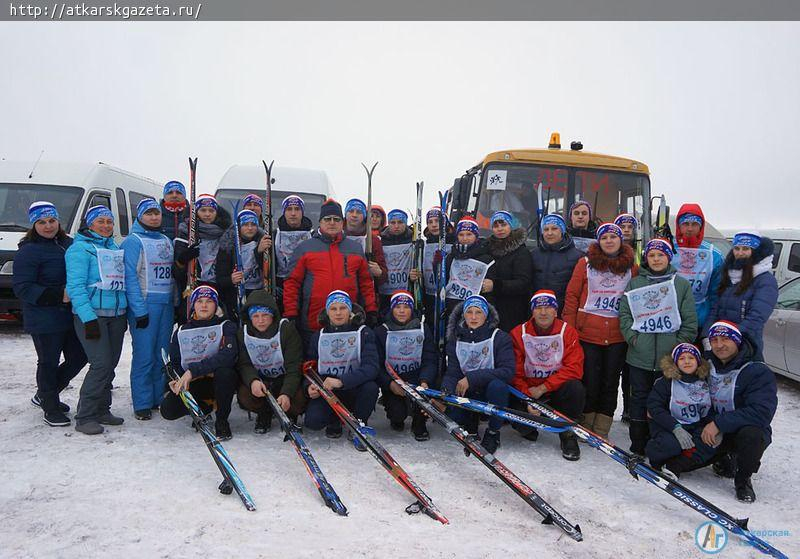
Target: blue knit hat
{"points": [[41, 210], [174, 186], [293, 200], [544, 298], [467, 224], [627, 218], [504, 216], [247, 216], [477, 301], [555, 219], [255, 309], [747, 239], [145, 205], [401, 297], [397, 214], [680, 349], [356, 204], [205, 201], [96, 212], [725, 329], [338, 296], [253, 199], [690, 218]]}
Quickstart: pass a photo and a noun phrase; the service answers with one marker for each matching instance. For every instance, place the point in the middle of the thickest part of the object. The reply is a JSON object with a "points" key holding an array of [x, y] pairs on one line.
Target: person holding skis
{"points": [[432, 260], [748, 290], [293, 228], [270, 356], [555, 258], [513, 270], [347, 359], [744, 395], [592, 308], [355, 228], [470, 267], [40, 278], [697, 260], [679, 407], [398, 249], [326, 262], [406, 344], [203, 352], [583, 228], [229, 276], [174, 208], [151, 294], [549, 365], [377, 218], [480, 364], [656, 313], [96, 288]]}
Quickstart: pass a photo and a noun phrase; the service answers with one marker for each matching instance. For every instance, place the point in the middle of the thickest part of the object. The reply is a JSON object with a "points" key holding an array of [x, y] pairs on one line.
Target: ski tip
{"points": [[577, 535], [742, 523]]}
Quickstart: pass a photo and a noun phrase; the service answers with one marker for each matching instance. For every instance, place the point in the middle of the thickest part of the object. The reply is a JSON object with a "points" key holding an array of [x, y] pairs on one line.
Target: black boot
{"points": [[263, 421], [334, 430], [223, 429], [725, 466], [397, 426], [569, 446], [491, 440], [744, 489], [419, 426], [143, 415], [471, 425]]}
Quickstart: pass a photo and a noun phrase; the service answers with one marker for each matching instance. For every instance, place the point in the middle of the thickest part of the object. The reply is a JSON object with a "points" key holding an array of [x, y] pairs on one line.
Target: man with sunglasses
{"points": [[326, 262]]}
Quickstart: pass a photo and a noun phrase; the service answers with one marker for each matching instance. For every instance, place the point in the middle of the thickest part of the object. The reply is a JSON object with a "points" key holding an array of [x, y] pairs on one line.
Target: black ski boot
{"points": [[263, 421], [143, 415], [725, 466], [569, 446], [419, 426], [223, 429], [744, 490], [397, 426], [334, 430], [491, 440]]}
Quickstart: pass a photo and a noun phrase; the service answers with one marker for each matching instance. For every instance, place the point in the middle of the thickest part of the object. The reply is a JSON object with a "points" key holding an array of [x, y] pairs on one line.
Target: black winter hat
{"points": [[330, 207]]}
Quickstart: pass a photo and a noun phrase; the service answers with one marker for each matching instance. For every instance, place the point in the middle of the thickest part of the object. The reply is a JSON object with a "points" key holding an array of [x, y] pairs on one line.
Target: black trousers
{"points": [[749, 444], [569, 399], [53, 376], [219, 387], [601, 372]]}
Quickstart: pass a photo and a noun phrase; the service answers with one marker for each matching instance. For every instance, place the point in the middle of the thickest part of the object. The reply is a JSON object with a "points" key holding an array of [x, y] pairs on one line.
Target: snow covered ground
{"points": [[148, 489]]}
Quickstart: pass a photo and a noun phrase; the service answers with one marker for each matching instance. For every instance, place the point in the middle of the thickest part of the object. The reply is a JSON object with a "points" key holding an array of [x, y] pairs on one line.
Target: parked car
{"points": [[786, 258], [782, 332]]}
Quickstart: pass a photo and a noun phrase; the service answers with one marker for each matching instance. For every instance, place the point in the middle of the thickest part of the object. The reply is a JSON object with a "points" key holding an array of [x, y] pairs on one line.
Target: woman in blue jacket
{"points": [[480, 364], [748, 290], [40, 276], [96, 287], [150, 291]]}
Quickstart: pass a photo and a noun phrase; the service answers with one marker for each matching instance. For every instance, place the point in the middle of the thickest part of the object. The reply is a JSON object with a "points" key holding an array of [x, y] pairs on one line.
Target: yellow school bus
{"points": [[510, 179]]}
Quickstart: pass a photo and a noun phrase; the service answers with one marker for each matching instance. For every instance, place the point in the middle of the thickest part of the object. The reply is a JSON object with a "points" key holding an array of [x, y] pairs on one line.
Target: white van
{"points": [[310, 184], [73, 188], [786, 258]]}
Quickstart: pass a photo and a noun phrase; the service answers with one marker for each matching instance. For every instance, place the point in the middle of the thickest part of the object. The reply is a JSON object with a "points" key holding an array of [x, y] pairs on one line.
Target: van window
{"points": [[794, 258], [789, 296], [95, 199], [122, 207], [135, 198], [16, 198], [776, 255]]}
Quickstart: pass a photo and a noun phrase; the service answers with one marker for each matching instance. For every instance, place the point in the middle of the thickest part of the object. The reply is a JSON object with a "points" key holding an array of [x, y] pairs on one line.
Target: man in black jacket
{"points": [[555, 258]]}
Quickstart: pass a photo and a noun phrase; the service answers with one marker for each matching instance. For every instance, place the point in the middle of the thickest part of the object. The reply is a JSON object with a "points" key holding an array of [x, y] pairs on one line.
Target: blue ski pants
{"points": [[147, 375]]}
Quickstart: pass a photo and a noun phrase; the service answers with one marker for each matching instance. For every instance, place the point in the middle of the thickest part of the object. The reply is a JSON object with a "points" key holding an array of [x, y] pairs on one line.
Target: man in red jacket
{"points": [[326, 262], [550, 365]]}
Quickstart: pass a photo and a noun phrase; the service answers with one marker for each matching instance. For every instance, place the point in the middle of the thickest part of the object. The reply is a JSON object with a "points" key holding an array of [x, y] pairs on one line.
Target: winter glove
{"points": [[143, 322], [684, 438], [51, 296], [372, 319], [189, 253], [92, 330]]}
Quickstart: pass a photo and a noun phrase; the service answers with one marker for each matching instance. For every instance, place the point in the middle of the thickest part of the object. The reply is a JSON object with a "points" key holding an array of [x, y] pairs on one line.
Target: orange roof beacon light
{"points": [[555, 141]]}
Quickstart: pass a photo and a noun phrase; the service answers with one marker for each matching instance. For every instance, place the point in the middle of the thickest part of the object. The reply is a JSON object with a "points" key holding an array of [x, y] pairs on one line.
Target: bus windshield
{"points": [[513, 187], [313, 202], [16, 198]]}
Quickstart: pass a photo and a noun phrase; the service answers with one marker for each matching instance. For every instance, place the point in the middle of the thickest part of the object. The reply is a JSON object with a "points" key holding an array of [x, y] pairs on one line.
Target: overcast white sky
{"points": [[712, 108]]}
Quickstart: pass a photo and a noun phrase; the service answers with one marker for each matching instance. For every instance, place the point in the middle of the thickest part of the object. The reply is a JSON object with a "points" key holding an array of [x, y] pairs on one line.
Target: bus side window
{"points": [[122, 207]]}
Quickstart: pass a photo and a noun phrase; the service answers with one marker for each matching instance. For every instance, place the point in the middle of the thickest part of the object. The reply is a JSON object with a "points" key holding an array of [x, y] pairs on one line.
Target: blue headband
{"points": [[680, 349], [205, 201], [477, 301], [467, 224], [555, 219], [609, 228], [725, 329], [658, 244], [255, 309], [204, 292], [356, 204], [690, 218], [745, 239], [401, 298], [294, 200], [97, 211], [253, 199], [502, 215], [174, 186], [146, 205], [247, 216], [627, 218], [397, 214], [41, 210], [338, 296]]}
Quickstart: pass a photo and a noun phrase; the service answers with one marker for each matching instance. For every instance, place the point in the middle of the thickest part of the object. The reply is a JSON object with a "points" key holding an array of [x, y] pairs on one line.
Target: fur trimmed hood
{"points": [[672, 372], [619, 264], [456, 320], [501, 247]]}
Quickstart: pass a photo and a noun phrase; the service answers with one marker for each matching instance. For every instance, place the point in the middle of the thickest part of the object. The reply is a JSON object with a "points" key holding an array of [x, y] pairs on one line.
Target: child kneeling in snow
{"points": [[679, 406]]}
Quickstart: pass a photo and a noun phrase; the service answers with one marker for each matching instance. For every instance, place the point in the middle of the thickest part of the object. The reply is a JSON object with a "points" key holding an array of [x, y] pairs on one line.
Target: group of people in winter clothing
{"points": [[562, 323]]}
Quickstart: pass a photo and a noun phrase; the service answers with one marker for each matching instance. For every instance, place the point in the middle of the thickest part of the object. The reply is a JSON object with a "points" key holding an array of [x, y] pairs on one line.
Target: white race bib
{"points": [[655, 308], [208, 260], [339, 353], [696, 266], [266, 353], [111, 266], [404, 349], [689, 402], [198, 343], [604, 291], [466, 278], [398, 265], [583, 243], [252, 271], [476, 355], [427, 266], [723, 388], [543, 354], [158, 258], [285, 244]]}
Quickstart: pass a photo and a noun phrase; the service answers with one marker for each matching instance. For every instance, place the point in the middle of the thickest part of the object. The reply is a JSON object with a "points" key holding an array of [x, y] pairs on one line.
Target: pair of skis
{"points": [[439, 325], [418, 287], [192, 272]]}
